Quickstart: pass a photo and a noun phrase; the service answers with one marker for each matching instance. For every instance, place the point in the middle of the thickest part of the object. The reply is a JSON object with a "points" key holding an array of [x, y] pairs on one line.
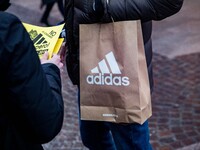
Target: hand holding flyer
{"points": [[45, 38]]}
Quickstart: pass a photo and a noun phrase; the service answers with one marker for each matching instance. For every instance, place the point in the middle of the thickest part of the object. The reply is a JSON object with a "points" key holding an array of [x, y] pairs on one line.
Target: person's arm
{"points": [[34, 89], [142, 9], [121, 10]]}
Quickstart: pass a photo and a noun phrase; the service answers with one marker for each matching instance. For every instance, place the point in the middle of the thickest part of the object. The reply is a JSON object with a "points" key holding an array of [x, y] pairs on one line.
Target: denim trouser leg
{"points": [[98, 135], [95, 135], [131, 136]]}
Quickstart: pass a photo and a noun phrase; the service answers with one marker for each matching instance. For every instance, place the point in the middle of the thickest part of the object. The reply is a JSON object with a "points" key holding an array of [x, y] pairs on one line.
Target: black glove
{"points": [[98, 8]]}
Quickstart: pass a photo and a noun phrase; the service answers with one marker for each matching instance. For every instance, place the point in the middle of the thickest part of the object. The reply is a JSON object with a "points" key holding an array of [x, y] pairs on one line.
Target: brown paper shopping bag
{"points": [[114, 83]]}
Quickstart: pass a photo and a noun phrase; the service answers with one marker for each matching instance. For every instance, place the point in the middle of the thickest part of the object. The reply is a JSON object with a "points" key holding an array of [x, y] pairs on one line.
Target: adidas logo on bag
{"points": [[107, 73]]}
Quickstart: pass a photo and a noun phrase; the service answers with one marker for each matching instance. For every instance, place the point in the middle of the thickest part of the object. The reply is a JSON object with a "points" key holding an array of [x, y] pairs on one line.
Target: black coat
{"points": [[82, 12], [31, 105], [48, 1]]}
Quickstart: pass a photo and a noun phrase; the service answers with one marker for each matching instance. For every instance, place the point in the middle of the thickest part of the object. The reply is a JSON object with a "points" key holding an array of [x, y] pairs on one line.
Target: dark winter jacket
{"points": [[94, 11], [44, 2], [31, 105]]}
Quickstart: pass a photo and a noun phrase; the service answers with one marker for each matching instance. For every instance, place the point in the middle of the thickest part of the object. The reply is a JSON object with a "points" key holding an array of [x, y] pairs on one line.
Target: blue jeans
{"points": [[98, 135]]}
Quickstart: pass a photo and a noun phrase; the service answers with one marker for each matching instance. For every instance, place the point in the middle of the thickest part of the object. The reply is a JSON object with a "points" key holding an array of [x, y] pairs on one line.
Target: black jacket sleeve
{"points": [[91, 11], [142, 9], [33, 90]]}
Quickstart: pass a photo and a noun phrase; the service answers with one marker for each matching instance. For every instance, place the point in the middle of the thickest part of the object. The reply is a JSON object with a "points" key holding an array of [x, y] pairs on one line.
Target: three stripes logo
{"points": [[107, 73], [39, 41]]}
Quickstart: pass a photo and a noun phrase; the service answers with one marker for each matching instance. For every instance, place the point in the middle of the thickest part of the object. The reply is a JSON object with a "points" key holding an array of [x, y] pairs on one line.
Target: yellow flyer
{"points": [[45, 38], [58, 45]]}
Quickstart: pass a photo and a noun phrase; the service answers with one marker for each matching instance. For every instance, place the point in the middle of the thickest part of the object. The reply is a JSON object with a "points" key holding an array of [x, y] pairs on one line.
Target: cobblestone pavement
{"points": [[176, 104], [175, 124]]}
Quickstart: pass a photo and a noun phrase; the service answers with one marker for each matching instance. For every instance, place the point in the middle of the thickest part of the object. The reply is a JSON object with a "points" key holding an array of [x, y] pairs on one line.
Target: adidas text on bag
{"points": [[107, 73]]}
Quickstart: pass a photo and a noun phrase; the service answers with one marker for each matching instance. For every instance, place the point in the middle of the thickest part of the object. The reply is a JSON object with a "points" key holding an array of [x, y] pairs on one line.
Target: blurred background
{"points": [[175, 124]]}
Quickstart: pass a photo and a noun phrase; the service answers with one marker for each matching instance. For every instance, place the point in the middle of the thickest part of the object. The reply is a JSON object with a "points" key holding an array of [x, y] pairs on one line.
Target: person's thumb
{"points": [[45, 56]]}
